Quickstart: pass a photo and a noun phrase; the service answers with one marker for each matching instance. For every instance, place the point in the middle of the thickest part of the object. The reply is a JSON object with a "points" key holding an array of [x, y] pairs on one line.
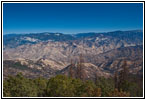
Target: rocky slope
{"points": [[53, 51], [106, 64]]}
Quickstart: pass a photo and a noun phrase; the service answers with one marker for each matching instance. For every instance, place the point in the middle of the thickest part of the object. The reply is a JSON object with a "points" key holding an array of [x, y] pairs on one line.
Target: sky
{"points": [[70, 18]]}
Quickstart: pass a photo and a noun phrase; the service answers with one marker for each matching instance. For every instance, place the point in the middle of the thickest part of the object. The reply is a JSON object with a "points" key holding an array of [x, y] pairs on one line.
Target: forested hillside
{"points": [[63, 86]]}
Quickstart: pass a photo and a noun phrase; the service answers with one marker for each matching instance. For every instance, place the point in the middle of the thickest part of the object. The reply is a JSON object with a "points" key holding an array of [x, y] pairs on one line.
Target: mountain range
{"points": [[47, 54]]}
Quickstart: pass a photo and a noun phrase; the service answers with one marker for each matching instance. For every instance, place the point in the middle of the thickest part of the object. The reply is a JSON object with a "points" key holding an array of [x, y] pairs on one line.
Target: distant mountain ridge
{"points": [[14, 40]]}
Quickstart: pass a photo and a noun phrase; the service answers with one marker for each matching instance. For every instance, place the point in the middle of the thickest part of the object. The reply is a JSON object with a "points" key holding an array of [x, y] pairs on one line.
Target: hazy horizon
{"points": [[75, 33]]}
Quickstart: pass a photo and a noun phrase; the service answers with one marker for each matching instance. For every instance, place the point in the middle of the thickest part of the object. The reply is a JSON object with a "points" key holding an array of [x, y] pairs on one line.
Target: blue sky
{"points": [[71, 18]]}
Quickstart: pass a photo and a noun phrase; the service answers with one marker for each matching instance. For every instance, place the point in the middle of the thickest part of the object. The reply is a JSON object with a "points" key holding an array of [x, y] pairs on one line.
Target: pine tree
{"points": [[96, 78], [123, 77], [71, 73], [80, 68]]}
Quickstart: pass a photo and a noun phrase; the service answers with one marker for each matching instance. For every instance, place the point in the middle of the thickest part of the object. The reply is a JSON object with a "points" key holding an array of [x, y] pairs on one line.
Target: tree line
{"points": [[123, 84]]}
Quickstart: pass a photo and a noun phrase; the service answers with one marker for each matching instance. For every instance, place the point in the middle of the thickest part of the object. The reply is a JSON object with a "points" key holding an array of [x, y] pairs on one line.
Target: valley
{"points": [[47, 54]]}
